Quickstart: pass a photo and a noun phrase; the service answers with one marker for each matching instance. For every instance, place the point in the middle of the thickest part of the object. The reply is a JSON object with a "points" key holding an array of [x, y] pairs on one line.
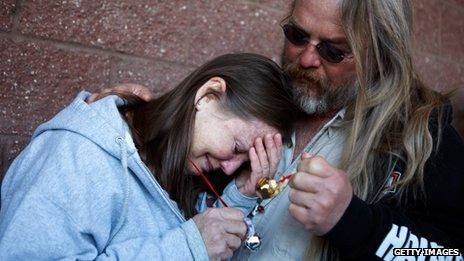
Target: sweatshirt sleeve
{"points": [[231, 196], [168, 247], [50, 233], [54, 207], [372, 231], [235, 199]]}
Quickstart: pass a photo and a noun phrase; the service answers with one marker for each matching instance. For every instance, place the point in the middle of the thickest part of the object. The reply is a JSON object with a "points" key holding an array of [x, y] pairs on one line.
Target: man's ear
{"points": [[213, 89]]}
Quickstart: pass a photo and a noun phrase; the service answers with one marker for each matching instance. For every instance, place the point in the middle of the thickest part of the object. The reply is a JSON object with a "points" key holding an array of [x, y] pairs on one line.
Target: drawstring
{"points": [[122, 144], [123, 147]]}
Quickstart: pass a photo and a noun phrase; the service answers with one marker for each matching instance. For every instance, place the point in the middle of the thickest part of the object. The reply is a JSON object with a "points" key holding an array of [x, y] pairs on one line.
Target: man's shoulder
{"points": [[440, 121]]}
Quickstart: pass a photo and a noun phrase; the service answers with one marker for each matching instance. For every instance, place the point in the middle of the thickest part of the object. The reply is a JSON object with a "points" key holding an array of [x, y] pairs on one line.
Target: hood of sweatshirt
{"points": [[99, 122]]}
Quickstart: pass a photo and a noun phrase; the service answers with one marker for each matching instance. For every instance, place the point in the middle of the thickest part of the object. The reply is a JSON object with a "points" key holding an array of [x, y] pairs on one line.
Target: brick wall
{"points": [[52, 49]]}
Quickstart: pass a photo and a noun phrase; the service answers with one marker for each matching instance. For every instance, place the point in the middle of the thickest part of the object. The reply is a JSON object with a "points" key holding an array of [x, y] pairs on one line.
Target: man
{"points": [[378, 181], [381, 167]]}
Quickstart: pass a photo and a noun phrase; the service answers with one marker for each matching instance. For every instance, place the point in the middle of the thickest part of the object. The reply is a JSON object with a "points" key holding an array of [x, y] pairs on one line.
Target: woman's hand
{"points": [[264, 159], [222, 230]]}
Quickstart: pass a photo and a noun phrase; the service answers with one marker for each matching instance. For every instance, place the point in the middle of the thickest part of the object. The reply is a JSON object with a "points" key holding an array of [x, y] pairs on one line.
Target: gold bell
{"points": [[267, 188]]}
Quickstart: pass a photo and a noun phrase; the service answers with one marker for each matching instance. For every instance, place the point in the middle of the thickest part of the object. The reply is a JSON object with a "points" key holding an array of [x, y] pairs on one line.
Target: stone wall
{"points": [[52, 49]]}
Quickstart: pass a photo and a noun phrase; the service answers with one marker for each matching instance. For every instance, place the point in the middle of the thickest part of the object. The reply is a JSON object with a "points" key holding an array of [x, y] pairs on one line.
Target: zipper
{"points": [[161, 190]]}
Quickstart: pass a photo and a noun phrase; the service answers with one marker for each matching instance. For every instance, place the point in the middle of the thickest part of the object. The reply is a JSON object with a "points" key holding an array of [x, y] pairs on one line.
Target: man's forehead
{"points": [[323, 16]]}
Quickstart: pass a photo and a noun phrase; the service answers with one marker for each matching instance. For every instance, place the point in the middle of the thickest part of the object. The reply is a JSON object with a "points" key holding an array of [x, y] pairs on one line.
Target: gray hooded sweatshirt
{"points": [[80, 191]]}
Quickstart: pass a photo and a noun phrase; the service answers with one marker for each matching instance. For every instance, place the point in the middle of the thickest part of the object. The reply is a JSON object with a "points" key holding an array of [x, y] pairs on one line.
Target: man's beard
{"points": [[325, 96]]}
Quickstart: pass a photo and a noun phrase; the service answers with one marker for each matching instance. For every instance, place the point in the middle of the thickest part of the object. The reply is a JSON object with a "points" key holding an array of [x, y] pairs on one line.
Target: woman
{"points": [[98, 184]]}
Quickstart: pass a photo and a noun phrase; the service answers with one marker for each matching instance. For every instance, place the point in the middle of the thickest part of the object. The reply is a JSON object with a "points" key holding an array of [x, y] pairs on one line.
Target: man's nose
{"points": [[309, 57]]}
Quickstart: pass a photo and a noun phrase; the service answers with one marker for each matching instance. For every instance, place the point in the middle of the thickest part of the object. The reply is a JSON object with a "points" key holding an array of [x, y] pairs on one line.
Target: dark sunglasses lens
{"points": [[294, 35], [330, 53]]}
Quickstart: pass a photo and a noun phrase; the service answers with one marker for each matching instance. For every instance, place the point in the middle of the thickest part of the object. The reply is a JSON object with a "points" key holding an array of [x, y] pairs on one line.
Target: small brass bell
{"points": [[267, 188]]}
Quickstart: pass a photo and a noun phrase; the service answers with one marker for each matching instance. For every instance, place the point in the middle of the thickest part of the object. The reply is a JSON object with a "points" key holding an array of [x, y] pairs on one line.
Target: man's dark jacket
{"points": [[434, 220]]}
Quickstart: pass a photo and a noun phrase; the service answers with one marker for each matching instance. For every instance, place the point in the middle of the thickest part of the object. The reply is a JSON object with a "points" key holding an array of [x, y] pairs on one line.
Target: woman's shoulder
{"points": [[65, 166], [80, 141], [67, 178]]}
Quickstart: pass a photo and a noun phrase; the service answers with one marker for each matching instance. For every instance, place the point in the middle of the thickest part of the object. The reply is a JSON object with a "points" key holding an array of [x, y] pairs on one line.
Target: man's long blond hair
{"points": [[389, 120]]}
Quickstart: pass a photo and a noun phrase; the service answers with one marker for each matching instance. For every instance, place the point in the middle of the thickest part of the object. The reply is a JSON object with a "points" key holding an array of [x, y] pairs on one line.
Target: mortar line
{"points": [[17, 13], [73, 46]]}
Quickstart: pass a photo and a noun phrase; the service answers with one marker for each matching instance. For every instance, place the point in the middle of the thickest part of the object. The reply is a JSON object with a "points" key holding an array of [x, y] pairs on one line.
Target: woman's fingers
{"points": [[268, 152], [237, 228], [273, 145], [278, 142], [254, 162], [233, 242], [222, 230], [271, 152], [262, 156]]}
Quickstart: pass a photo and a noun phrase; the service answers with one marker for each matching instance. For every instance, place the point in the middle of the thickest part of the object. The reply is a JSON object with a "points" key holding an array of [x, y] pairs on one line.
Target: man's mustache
{"points": [[305, 75]]}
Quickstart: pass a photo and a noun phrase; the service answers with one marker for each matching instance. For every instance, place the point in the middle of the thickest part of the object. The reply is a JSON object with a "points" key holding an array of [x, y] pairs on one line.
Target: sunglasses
{"points": [[298, 37]]}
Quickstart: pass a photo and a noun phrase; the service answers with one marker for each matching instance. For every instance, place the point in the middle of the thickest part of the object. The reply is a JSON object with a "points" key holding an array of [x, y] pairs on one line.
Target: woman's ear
{"points": [[213, 89]]}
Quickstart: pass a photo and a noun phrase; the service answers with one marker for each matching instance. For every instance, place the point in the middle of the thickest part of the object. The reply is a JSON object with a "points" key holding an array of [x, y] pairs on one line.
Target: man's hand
{"points": [[126, 88], [264, 159], [319, 194]]}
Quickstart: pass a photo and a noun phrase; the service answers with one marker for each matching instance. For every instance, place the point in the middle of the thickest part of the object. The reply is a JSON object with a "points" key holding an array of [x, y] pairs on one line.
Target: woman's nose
{"points": [[230, 166]]}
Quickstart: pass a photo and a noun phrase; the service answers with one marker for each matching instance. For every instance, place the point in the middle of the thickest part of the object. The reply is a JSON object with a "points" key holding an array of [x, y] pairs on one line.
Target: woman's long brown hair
{"points": [[162, 128]]}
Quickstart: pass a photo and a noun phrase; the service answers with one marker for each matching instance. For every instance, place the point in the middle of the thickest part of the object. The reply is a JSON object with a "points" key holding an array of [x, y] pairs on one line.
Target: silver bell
{"points": [[253, 242]]}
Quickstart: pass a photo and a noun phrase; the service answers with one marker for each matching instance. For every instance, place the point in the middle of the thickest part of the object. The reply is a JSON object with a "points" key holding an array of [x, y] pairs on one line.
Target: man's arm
{"points": [[436, 221]]}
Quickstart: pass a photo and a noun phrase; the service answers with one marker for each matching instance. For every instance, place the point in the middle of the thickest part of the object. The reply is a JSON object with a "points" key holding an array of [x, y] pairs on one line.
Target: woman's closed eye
{"points": [[238, 148]]}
